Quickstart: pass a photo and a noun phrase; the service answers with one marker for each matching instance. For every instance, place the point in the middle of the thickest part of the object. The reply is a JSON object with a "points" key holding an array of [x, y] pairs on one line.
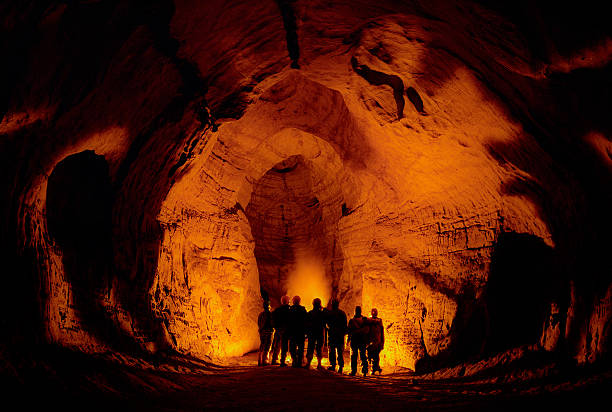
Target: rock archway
{"points": [[207, 288]]}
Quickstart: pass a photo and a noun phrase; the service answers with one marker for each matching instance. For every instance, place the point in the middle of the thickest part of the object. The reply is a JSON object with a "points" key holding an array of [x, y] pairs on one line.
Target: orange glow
{"points": [[309, 281]]}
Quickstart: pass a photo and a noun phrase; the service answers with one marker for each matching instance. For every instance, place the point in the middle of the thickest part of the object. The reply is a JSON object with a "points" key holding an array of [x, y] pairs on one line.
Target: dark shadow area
{"points": [[79, 208], [468, 334], [415, 99], [565, 25], [13, 41], [377, 78], [470, 329], [525, 277], [89, 36], [73, 381], [289, 22]]}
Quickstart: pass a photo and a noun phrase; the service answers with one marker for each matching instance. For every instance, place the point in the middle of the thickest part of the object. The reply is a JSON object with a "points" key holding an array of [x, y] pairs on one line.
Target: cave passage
{"points": [[525, 280], [79, 205], [295, 227]]}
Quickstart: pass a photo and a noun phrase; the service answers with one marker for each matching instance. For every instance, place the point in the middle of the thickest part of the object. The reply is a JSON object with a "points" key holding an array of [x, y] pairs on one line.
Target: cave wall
{"points": [[431, 134], [293, 215]]}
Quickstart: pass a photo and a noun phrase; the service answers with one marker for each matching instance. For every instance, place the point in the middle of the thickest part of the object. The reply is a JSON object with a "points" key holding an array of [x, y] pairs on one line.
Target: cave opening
{"points": [[525, 280], [294, 213], [79, 213]]}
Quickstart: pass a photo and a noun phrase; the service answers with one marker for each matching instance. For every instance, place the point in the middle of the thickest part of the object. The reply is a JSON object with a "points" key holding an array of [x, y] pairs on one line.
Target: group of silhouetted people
{"points": [[287, 327]]}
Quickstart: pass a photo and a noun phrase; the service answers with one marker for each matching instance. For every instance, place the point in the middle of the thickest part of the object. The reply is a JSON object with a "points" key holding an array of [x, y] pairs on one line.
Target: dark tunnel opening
{"points": [[524, 280], [295, 232], [79, 220]]}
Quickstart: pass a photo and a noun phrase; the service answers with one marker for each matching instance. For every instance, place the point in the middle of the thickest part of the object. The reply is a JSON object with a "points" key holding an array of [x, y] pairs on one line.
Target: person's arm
{"points": [[382, 335]]}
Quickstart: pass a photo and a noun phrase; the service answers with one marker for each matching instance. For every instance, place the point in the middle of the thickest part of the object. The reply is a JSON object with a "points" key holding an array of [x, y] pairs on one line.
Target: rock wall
{"points": [[418, 152]]}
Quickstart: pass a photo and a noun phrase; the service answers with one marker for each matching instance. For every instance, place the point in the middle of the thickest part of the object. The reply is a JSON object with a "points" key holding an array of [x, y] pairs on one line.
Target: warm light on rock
{"points": [[168, 166]]}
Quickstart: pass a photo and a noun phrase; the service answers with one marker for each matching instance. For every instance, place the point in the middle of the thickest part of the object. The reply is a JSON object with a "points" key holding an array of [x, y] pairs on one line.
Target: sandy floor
{"points": [[81, 382]]}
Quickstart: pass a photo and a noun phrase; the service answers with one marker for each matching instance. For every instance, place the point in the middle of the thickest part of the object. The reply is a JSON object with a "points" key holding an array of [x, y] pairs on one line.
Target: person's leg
{"points": [[364, 359], [353, 359], [311, 349], [284, 347], [376, 360], [267, 345], [319, 348], [340, 349], [332, 356], [276, 345], [300, 351], [292, 347], [260, 353]]}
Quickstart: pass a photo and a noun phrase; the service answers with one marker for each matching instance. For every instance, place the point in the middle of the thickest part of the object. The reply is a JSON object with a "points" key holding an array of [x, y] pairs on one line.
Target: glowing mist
{"points": [[308, 280]]}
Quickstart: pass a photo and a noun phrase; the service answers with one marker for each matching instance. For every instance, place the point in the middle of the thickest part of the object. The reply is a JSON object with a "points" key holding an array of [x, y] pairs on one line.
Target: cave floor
{"points": [[75, 381]]}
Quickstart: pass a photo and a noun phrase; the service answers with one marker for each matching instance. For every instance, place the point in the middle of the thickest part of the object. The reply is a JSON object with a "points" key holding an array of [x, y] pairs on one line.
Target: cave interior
{"points": [[168, 166]]}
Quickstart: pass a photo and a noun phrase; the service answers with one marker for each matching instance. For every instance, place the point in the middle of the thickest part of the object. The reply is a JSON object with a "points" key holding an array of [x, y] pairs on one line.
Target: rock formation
{"points": [[167, 164]]}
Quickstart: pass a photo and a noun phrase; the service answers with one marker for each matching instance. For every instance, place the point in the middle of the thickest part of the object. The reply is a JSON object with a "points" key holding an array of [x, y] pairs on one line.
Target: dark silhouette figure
{"points": [[315, 328], [281, 318], [297, 328], [336, 322], [358, 335], [376, 341], [289, 21], [266, 330]]}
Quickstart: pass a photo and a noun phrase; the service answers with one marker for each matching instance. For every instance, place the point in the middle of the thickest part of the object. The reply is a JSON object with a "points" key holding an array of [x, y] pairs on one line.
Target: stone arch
{"points": [[206, 287], [319, 204]]}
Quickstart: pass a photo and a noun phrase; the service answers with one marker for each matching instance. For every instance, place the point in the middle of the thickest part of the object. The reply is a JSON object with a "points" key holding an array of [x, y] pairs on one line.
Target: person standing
{"points": [[297, 327], [280, 316], [377, 341], [336, 322], [358, 334], [315, 329], [266, 329]]}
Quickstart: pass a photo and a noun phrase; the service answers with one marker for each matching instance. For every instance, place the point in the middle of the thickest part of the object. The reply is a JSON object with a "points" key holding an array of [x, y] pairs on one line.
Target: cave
{"points": [[169, 167], [294, 216], [79, 221]]}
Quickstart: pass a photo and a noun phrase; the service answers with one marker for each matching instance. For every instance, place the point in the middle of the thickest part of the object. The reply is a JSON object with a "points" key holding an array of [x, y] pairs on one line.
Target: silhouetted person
{"points": [[336, 322], [376, 341], [315, 329], [281, 317], [297, 328], [266, 329], [358, 334]]}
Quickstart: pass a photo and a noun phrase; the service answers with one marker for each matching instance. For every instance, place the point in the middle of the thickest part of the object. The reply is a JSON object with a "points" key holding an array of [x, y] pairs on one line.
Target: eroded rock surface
{"points": [[397, 156]]}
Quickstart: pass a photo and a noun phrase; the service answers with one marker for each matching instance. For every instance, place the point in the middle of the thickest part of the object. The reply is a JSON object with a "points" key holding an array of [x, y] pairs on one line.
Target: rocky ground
{"points": [[73, 381]]}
